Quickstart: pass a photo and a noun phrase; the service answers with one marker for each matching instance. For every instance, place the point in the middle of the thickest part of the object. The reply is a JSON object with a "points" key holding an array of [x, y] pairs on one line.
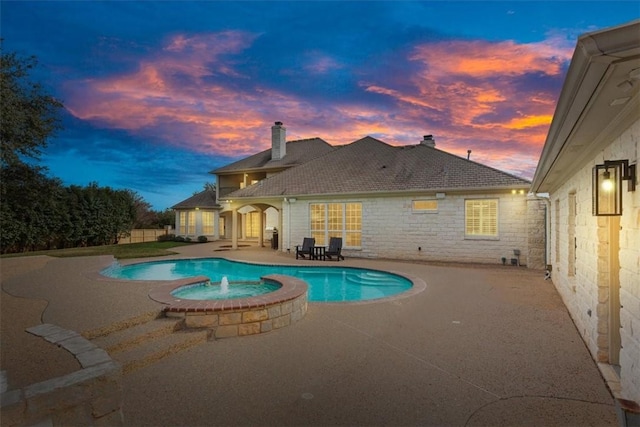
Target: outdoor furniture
{"points": [[306, 248], [319, 252], [334, 249]]}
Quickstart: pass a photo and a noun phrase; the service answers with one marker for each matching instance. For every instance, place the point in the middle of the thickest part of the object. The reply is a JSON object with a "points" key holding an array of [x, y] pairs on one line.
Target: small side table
{"points": [[319, 252]]}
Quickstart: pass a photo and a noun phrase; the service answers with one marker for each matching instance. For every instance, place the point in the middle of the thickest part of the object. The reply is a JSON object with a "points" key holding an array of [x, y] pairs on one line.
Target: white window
{"points": [[336, 220], [253, 224], [207, 223], [481, 218], [429, 206], [182, 226], [191, 223]]}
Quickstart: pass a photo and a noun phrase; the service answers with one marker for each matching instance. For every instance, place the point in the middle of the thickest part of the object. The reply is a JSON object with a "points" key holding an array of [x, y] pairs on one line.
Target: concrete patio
{"points": [[482, 345]]}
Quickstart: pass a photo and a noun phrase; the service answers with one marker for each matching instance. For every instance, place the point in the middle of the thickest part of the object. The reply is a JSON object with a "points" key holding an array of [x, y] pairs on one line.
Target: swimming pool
{"points": [[326, 284]]}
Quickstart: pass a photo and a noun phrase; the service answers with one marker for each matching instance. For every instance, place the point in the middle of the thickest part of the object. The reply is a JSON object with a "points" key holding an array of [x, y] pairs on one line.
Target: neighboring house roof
{"points": [[369, 166], [600, 99], [298, 152], [204, 199]]}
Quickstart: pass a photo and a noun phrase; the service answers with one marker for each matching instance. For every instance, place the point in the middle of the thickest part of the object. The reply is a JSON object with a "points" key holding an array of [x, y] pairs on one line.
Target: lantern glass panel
{"points": [[607, 190]]}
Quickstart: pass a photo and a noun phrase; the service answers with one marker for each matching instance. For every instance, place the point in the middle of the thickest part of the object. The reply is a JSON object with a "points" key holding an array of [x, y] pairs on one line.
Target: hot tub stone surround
{"points": [[237, 317]]}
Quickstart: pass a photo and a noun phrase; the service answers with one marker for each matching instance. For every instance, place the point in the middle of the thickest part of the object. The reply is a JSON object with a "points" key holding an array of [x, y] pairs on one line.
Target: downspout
{"points": [[547, 226]]}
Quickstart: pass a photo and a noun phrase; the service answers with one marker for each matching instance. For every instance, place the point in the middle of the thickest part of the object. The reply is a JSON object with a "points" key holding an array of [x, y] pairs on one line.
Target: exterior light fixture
{"points": [[607, 186]]}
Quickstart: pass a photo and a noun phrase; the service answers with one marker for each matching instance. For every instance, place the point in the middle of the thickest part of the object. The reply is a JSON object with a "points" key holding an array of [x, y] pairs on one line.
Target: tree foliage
{"points": [[28, 115], [36, 211]]}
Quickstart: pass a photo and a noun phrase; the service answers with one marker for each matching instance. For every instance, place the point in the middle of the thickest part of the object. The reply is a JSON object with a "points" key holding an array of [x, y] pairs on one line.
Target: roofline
{"points": [[176, 207], [387, 192], [593, 55], [237, 171]]}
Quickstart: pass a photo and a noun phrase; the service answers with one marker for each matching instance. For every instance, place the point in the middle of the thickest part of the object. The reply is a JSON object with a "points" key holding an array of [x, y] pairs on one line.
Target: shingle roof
{"points": [[204, 199], [369, 165], [298, 152]]}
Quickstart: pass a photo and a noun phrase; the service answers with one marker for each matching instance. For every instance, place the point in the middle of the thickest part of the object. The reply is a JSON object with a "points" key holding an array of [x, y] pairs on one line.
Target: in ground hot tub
{"points": [[230, 317]]}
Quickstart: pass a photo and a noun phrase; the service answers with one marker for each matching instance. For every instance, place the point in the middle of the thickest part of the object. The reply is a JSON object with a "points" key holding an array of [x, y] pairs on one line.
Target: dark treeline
{"points": [[38, 212]]}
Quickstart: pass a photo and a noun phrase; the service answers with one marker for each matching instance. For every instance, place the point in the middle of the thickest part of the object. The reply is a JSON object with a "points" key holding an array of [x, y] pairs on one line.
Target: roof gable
{"points": [[369, 165], [298, 152], [204, 199]]}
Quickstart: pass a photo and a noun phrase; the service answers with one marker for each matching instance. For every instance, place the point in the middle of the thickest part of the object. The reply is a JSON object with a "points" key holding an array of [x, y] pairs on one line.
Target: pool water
{"points": [[207, 291], [326, 284]]}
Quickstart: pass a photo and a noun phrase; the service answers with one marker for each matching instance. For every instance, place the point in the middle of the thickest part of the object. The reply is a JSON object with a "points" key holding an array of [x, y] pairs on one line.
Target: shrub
{"points": [[179, 239], [203, 239], [167, 238], [187, 239]]}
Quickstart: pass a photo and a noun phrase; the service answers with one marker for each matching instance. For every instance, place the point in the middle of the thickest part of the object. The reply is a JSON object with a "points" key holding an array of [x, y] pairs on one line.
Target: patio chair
{"points": [[307, 247], [334, 249]]}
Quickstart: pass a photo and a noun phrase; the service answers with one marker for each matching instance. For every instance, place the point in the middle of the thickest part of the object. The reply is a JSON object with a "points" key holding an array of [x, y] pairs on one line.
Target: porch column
{"points": [[234, 228], [260, 228], [282, 231], [216, 225]]}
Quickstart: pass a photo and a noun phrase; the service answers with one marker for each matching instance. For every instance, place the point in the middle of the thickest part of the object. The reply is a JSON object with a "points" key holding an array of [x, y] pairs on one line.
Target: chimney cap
{"points": [[278, 123], [428, 137]]}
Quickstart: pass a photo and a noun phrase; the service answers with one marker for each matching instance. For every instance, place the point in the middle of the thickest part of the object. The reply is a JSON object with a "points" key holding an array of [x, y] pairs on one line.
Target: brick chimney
{"points": [[428, 141], [278, 141]]}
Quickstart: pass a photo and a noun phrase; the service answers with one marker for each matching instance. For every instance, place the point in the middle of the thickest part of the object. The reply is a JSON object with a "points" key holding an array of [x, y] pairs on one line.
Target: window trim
{"points": [[208, 229], [495, 236], [344, 231], [424, 211]]}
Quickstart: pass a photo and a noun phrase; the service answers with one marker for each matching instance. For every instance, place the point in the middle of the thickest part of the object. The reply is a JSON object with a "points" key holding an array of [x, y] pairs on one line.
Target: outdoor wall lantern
{"points": [[607, 186]]}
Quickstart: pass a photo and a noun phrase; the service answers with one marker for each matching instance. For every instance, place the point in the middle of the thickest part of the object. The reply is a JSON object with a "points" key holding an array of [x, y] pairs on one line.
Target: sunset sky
{"points": [[157, 94]]}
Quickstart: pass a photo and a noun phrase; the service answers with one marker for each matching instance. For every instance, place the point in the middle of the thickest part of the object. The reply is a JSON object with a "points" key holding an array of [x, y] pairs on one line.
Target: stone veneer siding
{"points": [[238, 317], [585, 288], [391, 229]]}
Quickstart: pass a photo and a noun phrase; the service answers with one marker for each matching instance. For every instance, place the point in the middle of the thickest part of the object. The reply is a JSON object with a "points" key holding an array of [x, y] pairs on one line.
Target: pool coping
{"points": [[290, 289]]}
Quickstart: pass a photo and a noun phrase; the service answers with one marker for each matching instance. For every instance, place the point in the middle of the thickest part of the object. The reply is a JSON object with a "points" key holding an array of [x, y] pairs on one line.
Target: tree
{"points": [[166, 217], [32, 212], [145, 216], [28, 115], [30, 209], [38, 212]]}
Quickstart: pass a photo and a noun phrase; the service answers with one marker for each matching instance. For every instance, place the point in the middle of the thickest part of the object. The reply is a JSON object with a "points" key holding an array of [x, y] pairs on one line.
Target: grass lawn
{"points": [[132, 250]]}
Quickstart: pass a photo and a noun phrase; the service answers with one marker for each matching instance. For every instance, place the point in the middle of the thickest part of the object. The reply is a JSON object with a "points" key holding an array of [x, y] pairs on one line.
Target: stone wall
{"points": [[392, 229], [250, 321], [91, 396], [582, 261]]}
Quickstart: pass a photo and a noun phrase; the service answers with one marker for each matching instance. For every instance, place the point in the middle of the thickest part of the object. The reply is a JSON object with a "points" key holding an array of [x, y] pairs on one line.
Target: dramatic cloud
{"points": [[160, 93], [195, 92]]}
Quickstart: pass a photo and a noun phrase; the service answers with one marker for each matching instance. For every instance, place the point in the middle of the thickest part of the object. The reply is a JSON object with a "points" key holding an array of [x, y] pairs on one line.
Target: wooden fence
{"points": [[145, 235]]}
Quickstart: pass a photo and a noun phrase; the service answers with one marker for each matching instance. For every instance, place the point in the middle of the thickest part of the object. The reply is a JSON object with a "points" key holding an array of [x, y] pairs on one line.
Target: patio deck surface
{"points": [[482, 345]]}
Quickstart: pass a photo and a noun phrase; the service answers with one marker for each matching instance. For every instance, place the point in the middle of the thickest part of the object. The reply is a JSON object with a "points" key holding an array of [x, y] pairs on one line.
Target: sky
{"points": [[159, 93]]}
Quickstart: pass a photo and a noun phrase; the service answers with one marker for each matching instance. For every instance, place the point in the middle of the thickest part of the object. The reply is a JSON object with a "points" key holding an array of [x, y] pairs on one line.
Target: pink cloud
{"points": [[170, 88], [475, 91], [469, 94]]}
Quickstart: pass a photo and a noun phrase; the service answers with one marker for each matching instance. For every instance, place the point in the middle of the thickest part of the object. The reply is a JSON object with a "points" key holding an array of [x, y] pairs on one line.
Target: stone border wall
{"points": [[238, 317], [91, 396]]}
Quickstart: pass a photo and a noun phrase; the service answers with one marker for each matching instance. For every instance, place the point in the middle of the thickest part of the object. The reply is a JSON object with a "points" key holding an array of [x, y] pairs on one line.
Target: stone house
{"points": [[405, 202], [594, 230]]}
